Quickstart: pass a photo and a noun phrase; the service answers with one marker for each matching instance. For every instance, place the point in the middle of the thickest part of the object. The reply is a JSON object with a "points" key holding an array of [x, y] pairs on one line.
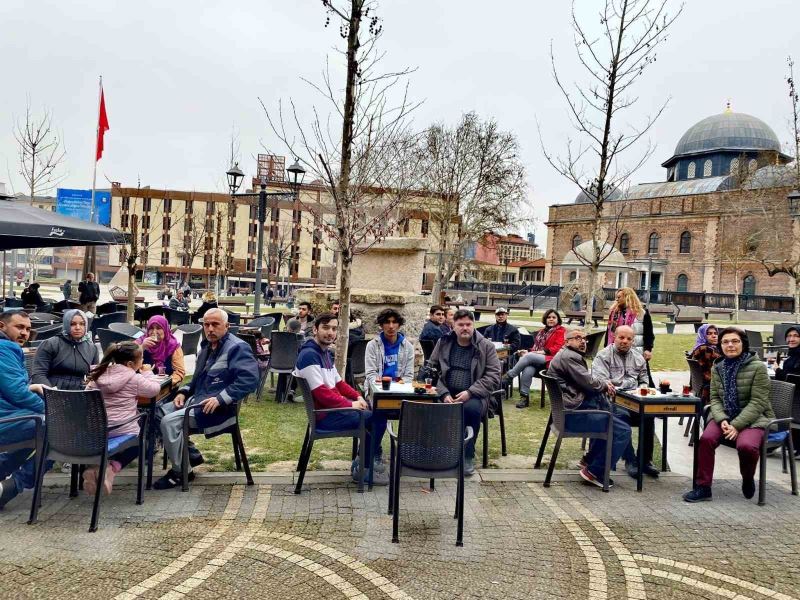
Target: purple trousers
{"points": [[748, 445]]}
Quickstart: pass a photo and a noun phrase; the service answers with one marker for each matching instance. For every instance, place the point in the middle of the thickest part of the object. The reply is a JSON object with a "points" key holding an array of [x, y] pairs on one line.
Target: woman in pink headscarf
{"points": [[161, 349]]}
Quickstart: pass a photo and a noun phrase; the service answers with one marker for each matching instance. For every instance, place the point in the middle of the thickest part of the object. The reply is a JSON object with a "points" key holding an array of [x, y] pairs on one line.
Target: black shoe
{"points": [[170, 480], [633, 469], [196, 459], [748, 488], [698, 494], [8, 491], [651, 470], [524, 402]]}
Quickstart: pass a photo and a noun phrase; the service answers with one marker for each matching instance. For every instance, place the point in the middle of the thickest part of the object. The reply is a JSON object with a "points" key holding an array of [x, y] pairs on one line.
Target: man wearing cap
{"points": [[581, 390], [502, 330]]}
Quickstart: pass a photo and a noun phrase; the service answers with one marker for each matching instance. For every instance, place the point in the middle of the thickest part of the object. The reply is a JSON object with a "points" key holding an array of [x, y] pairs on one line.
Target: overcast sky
{"points": [[179, 75]]}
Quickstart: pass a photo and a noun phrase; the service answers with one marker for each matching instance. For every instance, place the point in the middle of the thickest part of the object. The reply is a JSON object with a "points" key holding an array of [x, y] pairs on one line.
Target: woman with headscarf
{"points": [[791, 366], [740, 411], [162, 349], [706, 352], [63, 361]]}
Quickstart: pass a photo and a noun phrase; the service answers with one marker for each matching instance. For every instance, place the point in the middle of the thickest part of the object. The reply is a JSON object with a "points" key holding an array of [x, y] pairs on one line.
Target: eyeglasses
{"points": [[578, 338], [731, 342]]}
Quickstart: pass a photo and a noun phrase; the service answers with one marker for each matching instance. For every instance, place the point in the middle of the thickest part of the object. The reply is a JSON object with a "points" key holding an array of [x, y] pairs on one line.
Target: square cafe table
{"points": [[387, 404], [664, 406], [149, 405]]}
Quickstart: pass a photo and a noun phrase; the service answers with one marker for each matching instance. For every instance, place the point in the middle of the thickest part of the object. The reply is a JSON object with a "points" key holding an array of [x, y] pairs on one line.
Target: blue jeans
{"points": [[20, 464], [595, 423], [342, 421]]}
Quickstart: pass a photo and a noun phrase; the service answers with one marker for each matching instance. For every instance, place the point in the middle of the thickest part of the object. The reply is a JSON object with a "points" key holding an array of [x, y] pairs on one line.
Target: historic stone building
{"points": [[678, 234]]}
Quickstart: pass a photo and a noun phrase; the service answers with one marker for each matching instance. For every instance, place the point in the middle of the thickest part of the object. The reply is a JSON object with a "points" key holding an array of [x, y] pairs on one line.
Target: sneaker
{"points": [[748, 488], [651, 471], [587, 476], [699, 494], [583, 462], [379, 466], [8, 491], [524, 402], [633, 469], [195, 458], [469, 467], [377, 478], [170, 479], [90, 480]]}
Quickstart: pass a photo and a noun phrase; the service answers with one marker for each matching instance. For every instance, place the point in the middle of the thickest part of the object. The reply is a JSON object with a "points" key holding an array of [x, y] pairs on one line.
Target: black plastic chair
{"points": [[44, 316], [126, 328], [696, 381], [108, 308], [313, 433], [104, 321], [429, 444], [284, 347], [234, 318], [556, 424], [499, 395], [143, 314], [758, 345], [30, 357], [63, 305], [594, 343], [795, 379], [36, 444], [176, 317], [356, 361], [277, 318], [108, 337], [12, 303], [77, 432], [265, 323], [45, 333], [239, 453], [191, 338], [427, 348], [779, 332]]}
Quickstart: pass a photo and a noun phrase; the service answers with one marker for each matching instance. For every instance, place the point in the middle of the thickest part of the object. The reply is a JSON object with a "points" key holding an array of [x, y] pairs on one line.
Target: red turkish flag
{"points": [[102, 125]]}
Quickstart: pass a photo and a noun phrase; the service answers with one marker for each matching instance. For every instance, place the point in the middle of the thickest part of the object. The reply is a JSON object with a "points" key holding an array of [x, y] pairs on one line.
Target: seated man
{"points": [[179, 302], [390, 354], [502, 330], [434, 327], [226, 373], [306, 319], [469, 373], [17, 398], [625, 367], [583, 391], [328, 389]]}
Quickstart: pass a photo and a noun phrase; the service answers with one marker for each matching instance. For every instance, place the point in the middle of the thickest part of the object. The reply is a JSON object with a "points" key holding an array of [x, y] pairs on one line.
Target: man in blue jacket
{"points": [[434, 327], [226, 373], [17, 399]]}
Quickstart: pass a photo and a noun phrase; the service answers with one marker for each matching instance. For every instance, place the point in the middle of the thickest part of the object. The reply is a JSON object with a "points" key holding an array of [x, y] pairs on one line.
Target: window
{"points": [[189, 207], [123, 222], [253, 212], [167, 205], [682, 284], [126, 203], [690, 172], [686, 243], [707, 166], [749, 285], [209, 208], [752, 165], [624, 243], [734, 166], [165, 257], [424, 228], [146, 205], [146, 222], [573, 275], [652, 244], [576, 241]]}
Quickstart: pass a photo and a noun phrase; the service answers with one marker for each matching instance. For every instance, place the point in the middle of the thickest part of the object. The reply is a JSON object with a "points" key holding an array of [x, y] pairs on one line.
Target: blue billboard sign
{"points": [[78, 204]]}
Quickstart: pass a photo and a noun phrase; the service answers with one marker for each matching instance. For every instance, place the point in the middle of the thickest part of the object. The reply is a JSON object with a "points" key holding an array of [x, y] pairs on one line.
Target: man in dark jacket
{"points": [[179, 302], [580, 390], [89, 294], [226, 373], [470, 373], [502, 330], [17, 399], [434, 327]]}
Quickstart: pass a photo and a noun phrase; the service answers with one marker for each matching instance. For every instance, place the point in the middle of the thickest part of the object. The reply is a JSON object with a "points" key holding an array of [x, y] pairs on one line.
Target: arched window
{"points": [[752, 165], [707, 166], [652, 243], [734, 166], [749, 285], [624, 243], [690, 172], [682, 284], [686, 243], [573, 275], [576, 241]]}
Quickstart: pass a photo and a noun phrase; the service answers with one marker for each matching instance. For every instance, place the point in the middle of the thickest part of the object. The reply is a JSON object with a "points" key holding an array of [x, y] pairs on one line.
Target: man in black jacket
{"points": [[502, 330], [89, 292]]}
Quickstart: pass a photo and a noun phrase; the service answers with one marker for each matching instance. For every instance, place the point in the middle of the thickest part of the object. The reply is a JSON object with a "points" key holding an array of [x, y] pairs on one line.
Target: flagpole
{"points": [[89, 254]]}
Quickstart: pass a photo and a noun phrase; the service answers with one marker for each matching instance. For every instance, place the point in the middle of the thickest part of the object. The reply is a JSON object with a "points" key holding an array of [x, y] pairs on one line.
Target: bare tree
{"points": [[362, 151], [474, 182], [197, 227], [614, 61]]}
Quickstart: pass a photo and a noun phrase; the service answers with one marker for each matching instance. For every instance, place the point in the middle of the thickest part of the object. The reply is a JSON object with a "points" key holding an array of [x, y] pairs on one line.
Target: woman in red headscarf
{"points": [[161, 349]]}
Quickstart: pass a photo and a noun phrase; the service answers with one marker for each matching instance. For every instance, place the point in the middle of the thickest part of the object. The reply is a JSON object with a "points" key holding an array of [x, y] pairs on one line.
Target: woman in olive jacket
{"points": [[740, 411]]}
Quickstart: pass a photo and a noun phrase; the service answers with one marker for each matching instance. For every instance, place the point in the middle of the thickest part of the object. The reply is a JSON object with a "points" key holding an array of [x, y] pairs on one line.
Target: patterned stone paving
{"points": [[521, 541]]}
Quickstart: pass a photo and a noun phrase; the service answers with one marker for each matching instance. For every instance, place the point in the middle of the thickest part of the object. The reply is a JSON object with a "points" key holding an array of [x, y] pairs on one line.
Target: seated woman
{"points": [[740, 410], [64, 361], [30, 296], [706, 352], [161, 349], [546, 343], [791, 366], [209, 302]]}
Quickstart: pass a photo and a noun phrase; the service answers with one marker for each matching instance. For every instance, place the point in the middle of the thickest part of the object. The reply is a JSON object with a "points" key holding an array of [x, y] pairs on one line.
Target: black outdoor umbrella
{"points": [[25, 226]]}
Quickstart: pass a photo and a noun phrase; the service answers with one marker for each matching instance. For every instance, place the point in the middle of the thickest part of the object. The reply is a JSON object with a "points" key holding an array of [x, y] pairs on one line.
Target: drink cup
{"points": [[643, 391], [162, 370], [386, 382], [429, 384], [687, 390]]}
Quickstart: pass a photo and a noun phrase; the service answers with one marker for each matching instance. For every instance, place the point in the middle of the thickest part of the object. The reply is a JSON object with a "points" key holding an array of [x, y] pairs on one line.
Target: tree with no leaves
{"points": [[614, 61]]}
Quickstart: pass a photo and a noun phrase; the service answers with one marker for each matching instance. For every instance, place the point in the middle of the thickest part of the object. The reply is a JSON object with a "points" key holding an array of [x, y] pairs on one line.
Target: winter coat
{"points": [[375, 354], [16, 399], [121, 386], [63, 363], [753, 391], [486, 367], [553, 344], [328, 390], [89, 291], [574, 378], [432, 331], [498, 333]]}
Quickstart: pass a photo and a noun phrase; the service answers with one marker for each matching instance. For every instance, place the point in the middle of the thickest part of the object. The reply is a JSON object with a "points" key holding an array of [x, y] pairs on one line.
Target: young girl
{"points": [[121, 377]]}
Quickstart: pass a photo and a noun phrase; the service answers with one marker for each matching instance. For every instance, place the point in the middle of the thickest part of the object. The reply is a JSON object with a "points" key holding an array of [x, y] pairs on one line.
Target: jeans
{"points": [[342, 421], [473, 413], [20, 464], [527, 367], [596, 423], [748, 445], [649, 425]]}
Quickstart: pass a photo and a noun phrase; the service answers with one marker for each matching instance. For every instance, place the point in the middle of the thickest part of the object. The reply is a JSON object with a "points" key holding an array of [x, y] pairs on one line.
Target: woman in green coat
{"points": [[740, 411]]}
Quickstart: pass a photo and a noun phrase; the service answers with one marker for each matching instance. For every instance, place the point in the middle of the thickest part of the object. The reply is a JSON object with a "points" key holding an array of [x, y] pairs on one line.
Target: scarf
{"points": [[618, 318], [730, 368], [66, 324], [541, 338], [161, 352], [702, 336]]}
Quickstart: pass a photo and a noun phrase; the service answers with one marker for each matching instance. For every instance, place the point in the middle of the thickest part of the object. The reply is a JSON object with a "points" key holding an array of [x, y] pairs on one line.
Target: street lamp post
{"points": [[235, 176]]}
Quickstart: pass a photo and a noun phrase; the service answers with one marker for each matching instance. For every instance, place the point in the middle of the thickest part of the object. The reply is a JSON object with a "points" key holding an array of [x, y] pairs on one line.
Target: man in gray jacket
{"points": [[390, 354], [469, 373], [583, 391]]}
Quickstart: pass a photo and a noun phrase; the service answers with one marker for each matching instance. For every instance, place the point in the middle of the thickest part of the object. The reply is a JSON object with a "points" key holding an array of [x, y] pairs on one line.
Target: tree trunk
{"points": [[131, 292], [342, 339], [796, 302], [735, 296]]}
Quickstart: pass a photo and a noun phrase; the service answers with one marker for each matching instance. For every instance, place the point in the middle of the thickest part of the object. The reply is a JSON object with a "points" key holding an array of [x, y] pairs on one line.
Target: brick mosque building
{"points": [[673, 233]]}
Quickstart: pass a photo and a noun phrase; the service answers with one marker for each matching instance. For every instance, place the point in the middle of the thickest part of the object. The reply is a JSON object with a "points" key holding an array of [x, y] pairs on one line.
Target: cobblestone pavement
{"points": [[521, 541]]}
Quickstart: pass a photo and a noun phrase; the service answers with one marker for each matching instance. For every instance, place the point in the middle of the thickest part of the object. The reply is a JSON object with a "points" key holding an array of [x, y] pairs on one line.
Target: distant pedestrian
{"points": [[89, 294], [67, 289]]}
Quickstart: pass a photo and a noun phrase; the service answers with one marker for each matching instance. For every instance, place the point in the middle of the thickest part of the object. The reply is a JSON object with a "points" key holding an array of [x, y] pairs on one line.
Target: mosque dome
{"points": [[728, 131]]}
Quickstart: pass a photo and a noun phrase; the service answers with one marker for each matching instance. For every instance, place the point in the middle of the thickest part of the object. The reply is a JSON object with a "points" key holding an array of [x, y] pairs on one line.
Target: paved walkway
{"points": [[521, 541]]}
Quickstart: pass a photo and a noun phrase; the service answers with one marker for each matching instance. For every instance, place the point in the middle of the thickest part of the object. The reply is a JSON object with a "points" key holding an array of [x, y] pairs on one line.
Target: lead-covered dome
{"points": [[728, 131]]}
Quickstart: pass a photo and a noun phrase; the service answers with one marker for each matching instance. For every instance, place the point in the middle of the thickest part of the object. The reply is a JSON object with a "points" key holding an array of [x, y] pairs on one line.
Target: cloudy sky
{"points": [[180, 75]]}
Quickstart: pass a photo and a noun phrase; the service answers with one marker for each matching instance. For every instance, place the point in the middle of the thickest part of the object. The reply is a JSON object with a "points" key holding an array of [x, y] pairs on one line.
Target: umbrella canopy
{"points": [[25, 226]]}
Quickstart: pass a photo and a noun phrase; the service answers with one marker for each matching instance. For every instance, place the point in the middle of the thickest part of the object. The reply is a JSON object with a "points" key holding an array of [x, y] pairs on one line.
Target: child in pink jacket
{"points": [[121, 377]]}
